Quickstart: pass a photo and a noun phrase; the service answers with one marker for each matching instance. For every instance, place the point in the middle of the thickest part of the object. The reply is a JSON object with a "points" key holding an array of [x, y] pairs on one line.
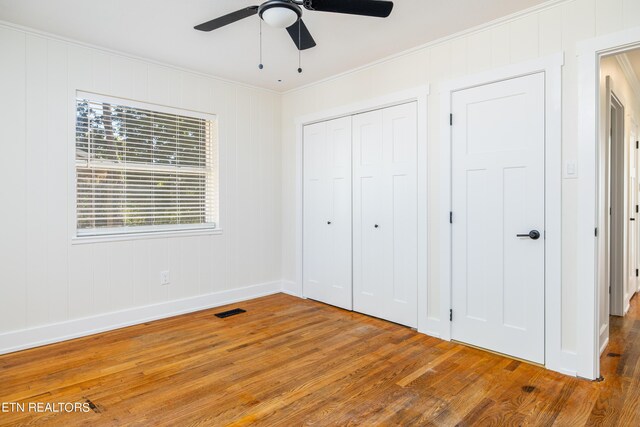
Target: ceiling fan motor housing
{"points": [[279, 13]]}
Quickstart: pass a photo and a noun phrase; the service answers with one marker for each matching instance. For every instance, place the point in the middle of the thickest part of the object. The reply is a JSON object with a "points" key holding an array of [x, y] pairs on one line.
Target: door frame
{"points": [[417, 94], [556, 358], [588, 304]]}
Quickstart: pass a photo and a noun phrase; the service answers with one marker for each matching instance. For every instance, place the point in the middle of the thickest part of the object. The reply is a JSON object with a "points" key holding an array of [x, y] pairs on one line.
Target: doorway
{"points": [[618, 186], [592, 303]]}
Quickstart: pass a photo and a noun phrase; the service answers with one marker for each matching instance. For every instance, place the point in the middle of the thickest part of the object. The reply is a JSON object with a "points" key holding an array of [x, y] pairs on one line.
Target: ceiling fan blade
{"points": [[301, 38], [227, 19], [377, 8]]}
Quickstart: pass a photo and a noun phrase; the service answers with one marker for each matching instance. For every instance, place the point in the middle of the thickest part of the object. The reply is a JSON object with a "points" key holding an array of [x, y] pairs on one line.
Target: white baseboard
{"points": [[433, 328], [564, 363], [432, 333], [291, 288], [604, 345], [62, 331]]}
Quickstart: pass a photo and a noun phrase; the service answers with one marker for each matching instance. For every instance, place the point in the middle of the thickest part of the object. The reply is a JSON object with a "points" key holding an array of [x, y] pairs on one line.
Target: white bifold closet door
{"points": [[327, 212], [385, 262]]}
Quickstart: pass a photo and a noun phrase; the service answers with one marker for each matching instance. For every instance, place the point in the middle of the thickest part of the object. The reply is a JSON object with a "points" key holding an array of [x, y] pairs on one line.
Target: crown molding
{"points": [[629, 72], [470, 31], [50, 36]]}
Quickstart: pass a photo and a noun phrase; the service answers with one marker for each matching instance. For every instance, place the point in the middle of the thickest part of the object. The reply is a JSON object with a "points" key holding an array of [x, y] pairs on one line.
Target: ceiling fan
{"points": [[288, 14]]}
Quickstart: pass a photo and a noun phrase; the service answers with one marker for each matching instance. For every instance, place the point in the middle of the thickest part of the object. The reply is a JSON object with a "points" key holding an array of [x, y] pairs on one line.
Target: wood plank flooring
{"points": [[289, 362]]}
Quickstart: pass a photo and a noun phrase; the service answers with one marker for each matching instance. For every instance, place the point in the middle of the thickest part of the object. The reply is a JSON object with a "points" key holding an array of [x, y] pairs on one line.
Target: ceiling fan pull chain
{"points": [[260, 66], [299, 46]]}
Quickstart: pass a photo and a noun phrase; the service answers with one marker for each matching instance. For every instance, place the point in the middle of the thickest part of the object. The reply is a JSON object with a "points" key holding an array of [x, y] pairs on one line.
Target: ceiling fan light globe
{"points": [[279, 17]]}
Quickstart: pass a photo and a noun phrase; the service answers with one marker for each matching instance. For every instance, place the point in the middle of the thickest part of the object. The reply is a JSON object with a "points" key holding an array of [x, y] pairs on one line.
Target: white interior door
{"points": [[618, 219], [327, 212], [632, 240], [636, 193], [385, 213], [498, 136]]}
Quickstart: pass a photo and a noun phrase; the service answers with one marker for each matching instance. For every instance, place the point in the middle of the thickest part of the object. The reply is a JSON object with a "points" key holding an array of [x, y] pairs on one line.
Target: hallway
{"points": [[618, 396]]}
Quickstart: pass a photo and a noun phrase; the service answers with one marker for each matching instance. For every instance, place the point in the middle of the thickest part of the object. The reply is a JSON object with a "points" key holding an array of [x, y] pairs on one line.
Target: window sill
{"points": [[80, 240]]}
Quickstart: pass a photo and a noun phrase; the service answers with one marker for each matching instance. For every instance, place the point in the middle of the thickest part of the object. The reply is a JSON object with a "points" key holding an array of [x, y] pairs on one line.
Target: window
{"points": [[142, 168]]}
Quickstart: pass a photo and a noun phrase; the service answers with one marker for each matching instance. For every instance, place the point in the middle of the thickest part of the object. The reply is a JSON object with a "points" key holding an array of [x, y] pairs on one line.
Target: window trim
{"points": [[135, 233], [144, 235], [160, 108]]}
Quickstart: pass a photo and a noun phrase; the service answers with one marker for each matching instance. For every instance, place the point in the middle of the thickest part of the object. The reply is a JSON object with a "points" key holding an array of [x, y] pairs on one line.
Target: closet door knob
{"points": [[328, 222], [376, 225]]}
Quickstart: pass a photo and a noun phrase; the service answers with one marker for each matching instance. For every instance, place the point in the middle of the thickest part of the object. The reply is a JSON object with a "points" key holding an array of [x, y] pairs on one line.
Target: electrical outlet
{"points": [[164, 277]]}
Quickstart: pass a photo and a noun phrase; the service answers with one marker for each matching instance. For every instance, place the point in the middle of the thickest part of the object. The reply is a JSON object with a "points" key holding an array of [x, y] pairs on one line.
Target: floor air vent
{"points": [[230, 313]]}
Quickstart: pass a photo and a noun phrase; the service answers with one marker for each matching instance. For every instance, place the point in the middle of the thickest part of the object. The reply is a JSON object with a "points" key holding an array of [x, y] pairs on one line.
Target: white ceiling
{"points": [[162, 30]]}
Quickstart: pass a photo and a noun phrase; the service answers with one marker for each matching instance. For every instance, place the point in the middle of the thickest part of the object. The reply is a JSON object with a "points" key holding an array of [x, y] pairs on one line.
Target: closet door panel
{"points": [[315, 202], [327, 212], [370, 270], [400, 140], [339, 231], [385, 214]]}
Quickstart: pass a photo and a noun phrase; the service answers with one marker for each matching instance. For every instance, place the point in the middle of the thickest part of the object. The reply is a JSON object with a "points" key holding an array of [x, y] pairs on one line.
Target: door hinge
{"points": [[609, 288], [450, 315], [596, 231], [637, 143], [450, 119], [450, 217], [636, 208], [637, 272]]}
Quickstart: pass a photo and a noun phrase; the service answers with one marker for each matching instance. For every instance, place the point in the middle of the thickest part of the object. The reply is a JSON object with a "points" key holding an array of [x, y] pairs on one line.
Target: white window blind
{"points": [[141, 170]]}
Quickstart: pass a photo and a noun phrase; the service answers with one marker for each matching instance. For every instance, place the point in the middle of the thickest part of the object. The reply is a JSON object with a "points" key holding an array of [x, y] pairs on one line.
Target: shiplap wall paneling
{"points": [[57, 266], [54, 280], [13, 167], [36, 189]]}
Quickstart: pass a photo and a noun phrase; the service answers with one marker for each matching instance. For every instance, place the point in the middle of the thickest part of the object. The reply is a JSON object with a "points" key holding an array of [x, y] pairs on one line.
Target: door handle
{"points": [[632, 219], [376, 226], [533, 235], [328, 222]]}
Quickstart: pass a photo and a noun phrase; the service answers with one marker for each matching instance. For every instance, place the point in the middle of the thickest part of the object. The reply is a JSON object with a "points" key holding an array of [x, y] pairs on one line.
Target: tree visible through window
{"points": [[143, 170]]}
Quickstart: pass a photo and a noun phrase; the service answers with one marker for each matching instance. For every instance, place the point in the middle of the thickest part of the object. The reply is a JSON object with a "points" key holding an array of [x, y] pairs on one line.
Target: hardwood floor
{"points": [[291, 362]]}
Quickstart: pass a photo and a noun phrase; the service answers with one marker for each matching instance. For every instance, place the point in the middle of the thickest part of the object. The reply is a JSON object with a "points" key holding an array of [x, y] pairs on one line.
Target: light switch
{"points": [[570, 169]]}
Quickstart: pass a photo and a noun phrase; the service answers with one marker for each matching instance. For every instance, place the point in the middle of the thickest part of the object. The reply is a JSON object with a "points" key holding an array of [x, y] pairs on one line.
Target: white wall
{"points": [[45, 278], [538, 33]]}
